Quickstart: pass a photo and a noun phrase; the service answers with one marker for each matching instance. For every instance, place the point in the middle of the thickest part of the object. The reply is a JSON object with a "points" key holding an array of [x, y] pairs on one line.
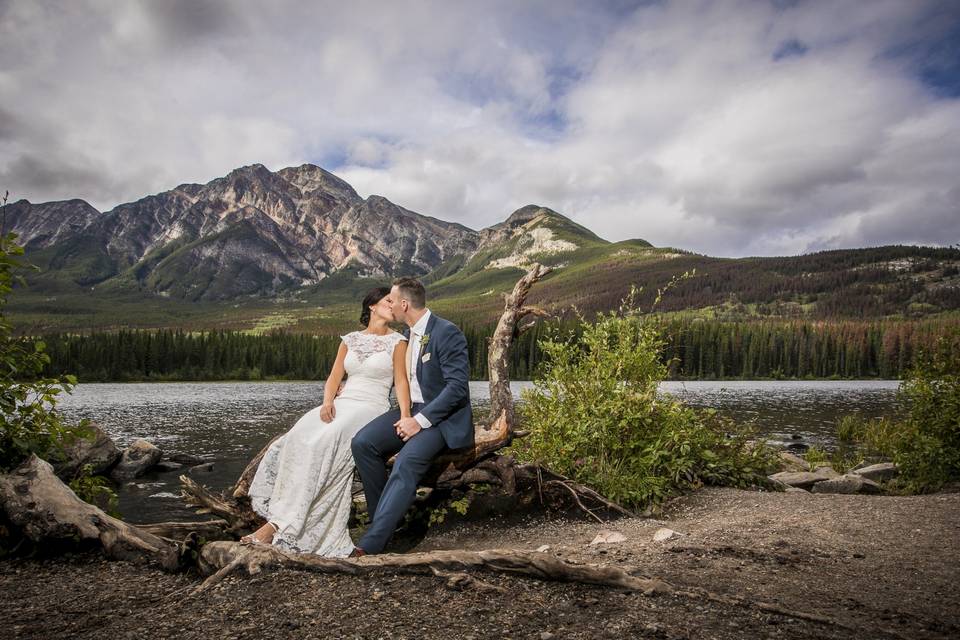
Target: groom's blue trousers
{"points": [[389, 498]]}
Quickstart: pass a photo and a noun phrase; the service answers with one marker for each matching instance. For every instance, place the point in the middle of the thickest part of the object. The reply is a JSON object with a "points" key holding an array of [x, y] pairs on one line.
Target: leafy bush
{"points": [[96, 490], [595, 416], [29, 420], [842, 459], [925, 441]]}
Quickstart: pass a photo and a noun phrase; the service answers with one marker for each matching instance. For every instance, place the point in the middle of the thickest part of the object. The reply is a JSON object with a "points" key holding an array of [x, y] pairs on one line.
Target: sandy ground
{"points": [[745, 564]]}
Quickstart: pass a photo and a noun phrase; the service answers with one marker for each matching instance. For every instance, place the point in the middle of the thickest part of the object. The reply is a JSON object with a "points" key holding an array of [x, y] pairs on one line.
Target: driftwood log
{"points": [[218, 559], [48, 512]]}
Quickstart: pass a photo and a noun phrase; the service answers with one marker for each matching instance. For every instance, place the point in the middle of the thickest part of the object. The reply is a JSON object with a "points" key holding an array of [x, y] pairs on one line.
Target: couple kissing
{"points": [[303, 484]]}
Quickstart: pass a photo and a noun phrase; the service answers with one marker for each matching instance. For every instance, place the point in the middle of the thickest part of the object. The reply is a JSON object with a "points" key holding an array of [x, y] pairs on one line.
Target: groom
{"points": [[438, 369]]}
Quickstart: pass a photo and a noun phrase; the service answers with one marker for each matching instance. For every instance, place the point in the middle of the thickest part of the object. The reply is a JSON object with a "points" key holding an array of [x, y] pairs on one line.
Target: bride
{"points": [[303, 485]]}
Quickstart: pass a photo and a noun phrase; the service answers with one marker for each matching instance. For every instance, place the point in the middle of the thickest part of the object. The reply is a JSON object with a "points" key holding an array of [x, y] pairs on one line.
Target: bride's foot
{"points": [[263, 535]]}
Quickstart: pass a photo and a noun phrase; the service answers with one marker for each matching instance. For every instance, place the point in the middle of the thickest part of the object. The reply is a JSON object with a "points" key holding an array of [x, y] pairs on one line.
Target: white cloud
{"points": [[668, 121]]}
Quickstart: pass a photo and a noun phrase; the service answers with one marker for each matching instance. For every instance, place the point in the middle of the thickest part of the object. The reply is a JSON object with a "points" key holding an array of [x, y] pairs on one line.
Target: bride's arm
{"points": [[400, 378], [327, 411]]}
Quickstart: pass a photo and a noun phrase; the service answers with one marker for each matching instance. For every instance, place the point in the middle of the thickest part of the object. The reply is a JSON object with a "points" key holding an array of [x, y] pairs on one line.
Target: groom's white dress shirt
{"points": [[416, 395]]}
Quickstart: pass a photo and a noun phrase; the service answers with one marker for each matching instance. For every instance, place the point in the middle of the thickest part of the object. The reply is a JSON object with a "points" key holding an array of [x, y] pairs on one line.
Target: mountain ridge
{"points": [[256, 244]]}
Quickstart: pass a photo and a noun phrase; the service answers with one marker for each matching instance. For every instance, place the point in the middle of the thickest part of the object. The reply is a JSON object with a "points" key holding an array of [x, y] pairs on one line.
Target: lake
{"points": [[228, 422]]}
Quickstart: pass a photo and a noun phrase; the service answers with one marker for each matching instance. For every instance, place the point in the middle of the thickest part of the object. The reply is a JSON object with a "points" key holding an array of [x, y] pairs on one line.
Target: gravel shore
{"points": [[745, 565]]}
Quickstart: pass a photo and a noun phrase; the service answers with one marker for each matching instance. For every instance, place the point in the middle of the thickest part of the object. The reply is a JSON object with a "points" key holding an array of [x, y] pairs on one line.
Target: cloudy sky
{"points": [[728, 128]]}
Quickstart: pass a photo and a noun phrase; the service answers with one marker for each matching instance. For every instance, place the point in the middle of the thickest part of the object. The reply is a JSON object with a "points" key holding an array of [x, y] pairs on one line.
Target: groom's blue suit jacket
{"points": [[444, 381]]}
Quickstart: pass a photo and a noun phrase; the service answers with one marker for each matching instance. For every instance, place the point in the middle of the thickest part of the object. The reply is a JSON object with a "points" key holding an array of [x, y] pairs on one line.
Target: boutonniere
{"points": [[424, 340]]}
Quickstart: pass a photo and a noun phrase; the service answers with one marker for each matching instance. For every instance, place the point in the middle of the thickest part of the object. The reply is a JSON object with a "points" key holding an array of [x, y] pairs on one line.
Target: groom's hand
{"points": [[407, 428]]}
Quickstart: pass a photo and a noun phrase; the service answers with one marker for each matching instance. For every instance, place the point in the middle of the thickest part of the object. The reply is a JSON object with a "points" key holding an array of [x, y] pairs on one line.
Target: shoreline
{"points": [[744, 563]]}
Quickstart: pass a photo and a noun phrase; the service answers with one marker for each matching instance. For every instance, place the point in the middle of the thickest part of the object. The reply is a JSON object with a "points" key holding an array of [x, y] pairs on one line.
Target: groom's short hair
{"points": [[412, 291]]}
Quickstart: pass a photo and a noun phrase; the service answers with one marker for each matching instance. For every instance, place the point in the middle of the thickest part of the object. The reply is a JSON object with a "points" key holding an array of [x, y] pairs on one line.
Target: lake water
{"points": [[228, 422]]}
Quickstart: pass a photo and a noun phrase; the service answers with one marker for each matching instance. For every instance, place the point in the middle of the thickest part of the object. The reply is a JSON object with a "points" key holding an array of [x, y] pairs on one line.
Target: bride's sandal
{"points": [[254, 539]]}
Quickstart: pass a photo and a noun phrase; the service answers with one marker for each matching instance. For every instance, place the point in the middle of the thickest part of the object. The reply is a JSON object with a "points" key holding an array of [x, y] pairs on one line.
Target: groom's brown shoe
{"points": [[357, 552]]}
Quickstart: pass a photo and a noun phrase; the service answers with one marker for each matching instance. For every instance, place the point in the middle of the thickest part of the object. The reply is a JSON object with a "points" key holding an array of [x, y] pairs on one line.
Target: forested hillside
{"points": [[696, 349]]}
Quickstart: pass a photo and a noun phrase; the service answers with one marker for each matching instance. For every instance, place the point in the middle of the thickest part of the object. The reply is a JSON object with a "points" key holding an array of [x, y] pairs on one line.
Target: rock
{"points": [[99, 452], [804, 479], [605, 536], [186, 459], [827, 469], [543, 548], [663, 534], [137, 458], [164, 466], [776, 485], [878, 472], [206, 467], [546, 635], [847, 484], [796, 490], [792, 462]]}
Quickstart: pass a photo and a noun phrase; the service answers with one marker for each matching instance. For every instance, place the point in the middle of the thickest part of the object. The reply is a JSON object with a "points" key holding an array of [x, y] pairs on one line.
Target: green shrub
{"points": [[925, 441], [29, 420], [928, 451], [595, 415], [841, 459], [96, 490]]}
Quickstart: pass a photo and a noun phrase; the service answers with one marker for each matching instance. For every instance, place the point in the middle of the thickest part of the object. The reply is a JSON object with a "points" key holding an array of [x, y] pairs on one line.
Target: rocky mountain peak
{"points": [[250, 232], [310, 178], [41, 225], [525, 214]]}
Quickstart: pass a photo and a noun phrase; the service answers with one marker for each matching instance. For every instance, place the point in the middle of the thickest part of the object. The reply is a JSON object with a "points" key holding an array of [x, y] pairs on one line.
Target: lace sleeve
{"points": [[350, 340]]}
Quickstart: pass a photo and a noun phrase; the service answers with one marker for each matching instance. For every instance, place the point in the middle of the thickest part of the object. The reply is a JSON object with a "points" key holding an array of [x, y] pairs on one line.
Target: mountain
{"points": [[296, 248], [252, 232]]}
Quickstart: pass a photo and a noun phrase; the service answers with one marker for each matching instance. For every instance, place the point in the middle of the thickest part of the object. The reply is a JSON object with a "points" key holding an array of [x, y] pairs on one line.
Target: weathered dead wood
{"points": [[46, 510], [459, 581], [501, 398], [236, 512], [177, 530], [218, 556], [576, 498], [583, 491]]}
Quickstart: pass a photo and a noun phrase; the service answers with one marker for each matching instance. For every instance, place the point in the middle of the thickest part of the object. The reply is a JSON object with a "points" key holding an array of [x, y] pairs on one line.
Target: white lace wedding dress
{"points": [[303, 484]]}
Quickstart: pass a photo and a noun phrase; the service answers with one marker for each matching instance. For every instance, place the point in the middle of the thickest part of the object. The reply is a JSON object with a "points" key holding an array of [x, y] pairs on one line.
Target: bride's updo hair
{"points": [[373, 296]]}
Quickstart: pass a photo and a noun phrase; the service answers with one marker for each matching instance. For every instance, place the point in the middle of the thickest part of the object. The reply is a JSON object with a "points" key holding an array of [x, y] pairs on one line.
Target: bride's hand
{"points": [[327, 412]]}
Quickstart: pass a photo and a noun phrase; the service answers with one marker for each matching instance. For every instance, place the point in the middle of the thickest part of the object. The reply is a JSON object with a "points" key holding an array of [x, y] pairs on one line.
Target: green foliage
{"points": [[462, 505], [29, 421], [841, 459], [816, 456], [437, 515], [595, 415], [925, 441], [95, 490], [929, 453]]}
